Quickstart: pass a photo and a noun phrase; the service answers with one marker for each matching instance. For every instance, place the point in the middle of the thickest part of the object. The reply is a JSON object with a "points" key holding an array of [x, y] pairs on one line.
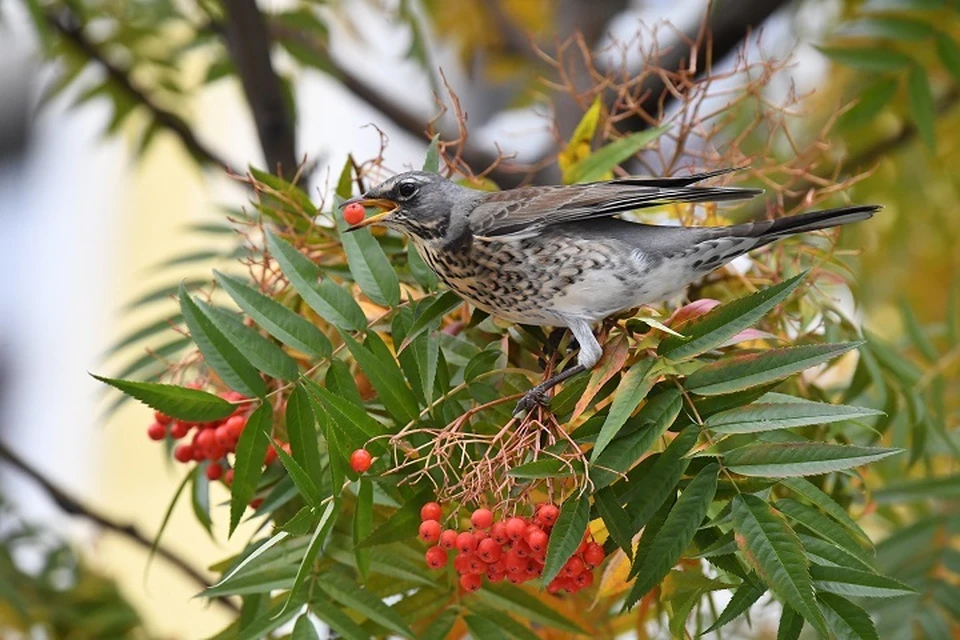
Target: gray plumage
{"points": [[557, 256]]}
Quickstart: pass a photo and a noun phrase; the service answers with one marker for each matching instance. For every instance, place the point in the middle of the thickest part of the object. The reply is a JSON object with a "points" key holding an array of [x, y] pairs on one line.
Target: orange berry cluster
{"points": [[212, 440], [513, 549]]}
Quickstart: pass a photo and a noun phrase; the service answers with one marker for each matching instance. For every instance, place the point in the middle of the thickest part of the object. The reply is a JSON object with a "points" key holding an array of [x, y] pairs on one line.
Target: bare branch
{"points": [[72, 506]]}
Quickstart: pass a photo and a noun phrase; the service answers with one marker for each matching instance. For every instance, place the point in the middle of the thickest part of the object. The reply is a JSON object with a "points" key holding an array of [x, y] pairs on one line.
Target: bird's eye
{"points": [[406, 189]]}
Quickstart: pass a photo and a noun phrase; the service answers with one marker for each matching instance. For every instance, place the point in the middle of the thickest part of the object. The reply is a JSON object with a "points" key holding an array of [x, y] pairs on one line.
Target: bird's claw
{"points": [[534, 397]]}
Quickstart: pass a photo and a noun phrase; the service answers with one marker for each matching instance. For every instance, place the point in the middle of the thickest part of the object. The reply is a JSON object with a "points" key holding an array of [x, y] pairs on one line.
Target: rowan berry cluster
{"points": [[211, 440], [513, 549]]}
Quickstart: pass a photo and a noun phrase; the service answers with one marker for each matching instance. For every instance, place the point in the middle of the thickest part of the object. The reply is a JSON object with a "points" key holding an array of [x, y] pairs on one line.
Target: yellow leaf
{"points": [[614, 580], [578, 147]]}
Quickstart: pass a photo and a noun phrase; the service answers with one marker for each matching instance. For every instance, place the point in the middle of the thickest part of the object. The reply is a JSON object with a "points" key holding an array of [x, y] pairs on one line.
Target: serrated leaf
{"points": [[644, 430], [367, 604], [774, 552], [317, 542], [302, 432], [718, 325], [353, 422], [616, 520], [599, 163], [845, 619], [741, 601], [873, 59], [262, 353], [566, 535], [675, 534], [304, 482], [735, 373], [369, 265], [922, 107], [191, 405], [823, 552], [791, 459], [661, 482], [762, 416], [219, 353], [221, 587], [291, 329], [857, 584], [441, 306], [633, 387], [806, 489], [387, 379], [823, 527], [949, 52], [506, 597], [791, 624], [248, 462], [330, 301]]}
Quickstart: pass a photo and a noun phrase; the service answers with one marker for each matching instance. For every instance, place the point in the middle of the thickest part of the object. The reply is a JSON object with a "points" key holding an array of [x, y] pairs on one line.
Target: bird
{"points": [[558, 256]]}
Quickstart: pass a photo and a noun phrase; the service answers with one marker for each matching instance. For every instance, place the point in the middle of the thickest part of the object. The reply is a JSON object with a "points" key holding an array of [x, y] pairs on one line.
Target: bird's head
{"points": [[416, 202]]}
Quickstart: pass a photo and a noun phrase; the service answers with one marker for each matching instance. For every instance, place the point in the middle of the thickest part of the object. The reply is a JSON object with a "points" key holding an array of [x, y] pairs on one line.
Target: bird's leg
{"points": [[590, 352]]}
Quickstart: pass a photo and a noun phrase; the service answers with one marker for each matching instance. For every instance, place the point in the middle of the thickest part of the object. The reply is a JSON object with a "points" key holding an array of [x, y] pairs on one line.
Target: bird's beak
{"points": [[388, 205]]}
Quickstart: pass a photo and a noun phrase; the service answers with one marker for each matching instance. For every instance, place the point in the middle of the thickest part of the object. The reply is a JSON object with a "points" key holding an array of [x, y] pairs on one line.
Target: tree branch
{"points": [[249, 44], [66, 22], [72, 506]]}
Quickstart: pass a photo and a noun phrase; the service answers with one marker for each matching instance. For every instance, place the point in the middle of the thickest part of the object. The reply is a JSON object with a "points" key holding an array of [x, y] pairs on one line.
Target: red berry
{"points": [[448, 539], [214, 471], [179, 429], [475, 564], [224, 437], [430, 531], [354, 213], [521, 548], [481, 519], [228, 477], [494, 575], [431, 511], [271, 455], [460, 563], [499, 532], [554, 586], [206, 440], [593, 555], [514, 563], [466, 542], [471, 582], [547, 515], [162, 418], [516, 528], [573, 567], [436, 557], [537, 539], [234, 425], [255, 503], [360, 461], [584, 579], [532, 569], [156, 431], [489, 550], [183, 453]]}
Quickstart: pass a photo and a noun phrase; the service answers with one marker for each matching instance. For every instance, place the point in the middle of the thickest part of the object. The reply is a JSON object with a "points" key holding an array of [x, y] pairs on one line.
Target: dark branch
{"points": [[249, 44], [72, 506], [67, 24]]}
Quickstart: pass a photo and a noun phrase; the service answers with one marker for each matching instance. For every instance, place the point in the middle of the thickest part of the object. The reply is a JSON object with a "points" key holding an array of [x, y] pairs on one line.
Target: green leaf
{"points": [[633, 387], [511, 599], [303, 629], [762, 416], [949, 52], [304, 482], [806, 489], [823, 527], [922, 107], [302, 432], [200, 496], [743, 598], [367, 604], [291, 329], [606, 158], [944, 488], [352, 421], [146, 331], [735, 373], [369, 265], [895, 27], [334, 616], [317, 542], [191, 405], [567, 534], [262, 353], [545, 468], [431, 163], [846, 620], [790, 459], [873, 59], [715, 327], [386, 377], [261, 553], [616, 519], [363, 524], [483, 628], [419, 269], [791, 624], [219, 353], [774, 552], [505, 624], [676, 533], [918, 336], [871, 101], [441, 306], [645, 429], [857, 584], [166, 520], [402, 525], [440, 628], [248, 462], [330, 301], [661, 482], [819, 550]]}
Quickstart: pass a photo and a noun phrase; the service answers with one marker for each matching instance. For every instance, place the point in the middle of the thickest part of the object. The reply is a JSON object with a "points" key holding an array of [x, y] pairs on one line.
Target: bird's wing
{"points": [[520, 213]]}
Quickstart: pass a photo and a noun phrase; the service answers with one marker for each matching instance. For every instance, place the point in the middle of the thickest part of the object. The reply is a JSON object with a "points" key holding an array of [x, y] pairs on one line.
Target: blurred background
{"points": [[117, 120]]}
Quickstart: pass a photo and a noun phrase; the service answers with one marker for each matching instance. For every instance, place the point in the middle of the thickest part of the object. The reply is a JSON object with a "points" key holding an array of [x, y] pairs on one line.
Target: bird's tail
{"points": [[771, 230]]}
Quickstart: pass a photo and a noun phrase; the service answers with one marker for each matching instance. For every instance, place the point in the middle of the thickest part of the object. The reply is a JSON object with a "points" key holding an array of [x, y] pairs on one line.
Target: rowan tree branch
{"points": [[248, 42], [74, 507], [67, 23]]}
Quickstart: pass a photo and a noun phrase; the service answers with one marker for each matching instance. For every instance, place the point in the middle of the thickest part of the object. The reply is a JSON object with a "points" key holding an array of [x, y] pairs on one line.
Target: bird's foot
{"points": [[533, 398]]}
